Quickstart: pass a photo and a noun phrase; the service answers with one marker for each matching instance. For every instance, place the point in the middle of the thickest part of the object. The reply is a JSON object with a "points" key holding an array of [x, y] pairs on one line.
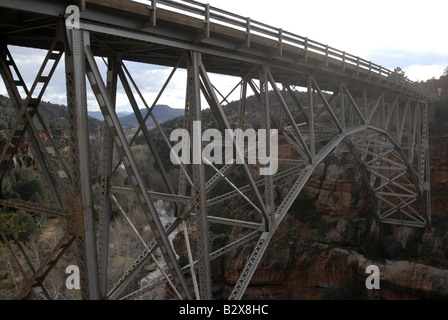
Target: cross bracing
{"points": [[382, 118]]}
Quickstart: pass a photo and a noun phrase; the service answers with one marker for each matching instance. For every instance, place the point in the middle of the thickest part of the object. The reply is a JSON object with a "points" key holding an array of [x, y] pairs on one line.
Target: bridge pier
{"points": [[80, 198]]}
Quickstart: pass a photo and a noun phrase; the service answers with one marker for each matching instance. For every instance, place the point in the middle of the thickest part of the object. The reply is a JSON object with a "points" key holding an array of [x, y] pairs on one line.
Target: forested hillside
{"points": [[24, 182], [55, 117]]}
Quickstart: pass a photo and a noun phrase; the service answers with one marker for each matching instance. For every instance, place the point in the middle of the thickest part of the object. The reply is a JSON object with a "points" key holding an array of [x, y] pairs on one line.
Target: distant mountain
{"points": [[99, 116], [128, 119], [161, 112]]}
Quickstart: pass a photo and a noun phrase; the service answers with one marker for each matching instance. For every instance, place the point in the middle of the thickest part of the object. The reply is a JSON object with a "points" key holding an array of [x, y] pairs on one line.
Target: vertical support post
{"points": [[366, 103], [388, 123], [415, 133], [342, 102], [248, 31], [153, 7], [182, 187], [280, 42], [383, 111], [397, 119], [82, 189], [427, 183], [403, 122], [420, 148], [242, 107], [106, 203], [207, 21], [306, 49], [281, 122], [268, 179], [357, 67], [198, 189], [311, 116]]}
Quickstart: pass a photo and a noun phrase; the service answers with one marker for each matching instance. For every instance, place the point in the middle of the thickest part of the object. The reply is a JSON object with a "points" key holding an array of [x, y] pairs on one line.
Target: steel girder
{"points": [[386, 132]]}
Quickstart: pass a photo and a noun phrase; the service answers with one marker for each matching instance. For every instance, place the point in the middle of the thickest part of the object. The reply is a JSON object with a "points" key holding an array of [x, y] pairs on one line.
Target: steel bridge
{"points": [[382, 117]]}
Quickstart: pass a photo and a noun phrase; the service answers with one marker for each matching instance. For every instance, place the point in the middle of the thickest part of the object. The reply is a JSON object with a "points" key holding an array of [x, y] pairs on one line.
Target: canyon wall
{"points": [[323, 247]]}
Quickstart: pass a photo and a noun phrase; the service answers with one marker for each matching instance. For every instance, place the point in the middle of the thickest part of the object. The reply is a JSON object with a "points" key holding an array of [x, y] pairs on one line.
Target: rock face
{"points": [[331, 263], [439, 173], [336, 185]]}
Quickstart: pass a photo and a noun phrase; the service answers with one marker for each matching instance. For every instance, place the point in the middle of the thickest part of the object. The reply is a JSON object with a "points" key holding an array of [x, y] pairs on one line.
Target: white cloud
{"points": [[150, 82], [354, 26], [421, 73]]}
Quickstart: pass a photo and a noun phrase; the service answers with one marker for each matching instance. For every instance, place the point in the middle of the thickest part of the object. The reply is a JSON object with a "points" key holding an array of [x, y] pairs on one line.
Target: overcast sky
{"points": [[393, 33], [406, 33]]}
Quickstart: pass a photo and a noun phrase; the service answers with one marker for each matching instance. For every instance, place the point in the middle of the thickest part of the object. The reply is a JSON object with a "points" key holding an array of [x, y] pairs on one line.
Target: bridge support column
{"points": [[312, 138], [79, 136], [268, 179], [106, 175], [193, 104]]}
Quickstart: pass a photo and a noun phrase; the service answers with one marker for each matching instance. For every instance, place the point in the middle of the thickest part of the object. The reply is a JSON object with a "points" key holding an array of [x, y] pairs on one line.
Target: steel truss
{"points": [[386, 131]]}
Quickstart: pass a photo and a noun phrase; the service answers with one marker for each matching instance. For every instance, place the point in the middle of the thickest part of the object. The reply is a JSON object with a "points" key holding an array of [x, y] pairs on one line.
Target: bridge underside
{"points": [[314, 100]]}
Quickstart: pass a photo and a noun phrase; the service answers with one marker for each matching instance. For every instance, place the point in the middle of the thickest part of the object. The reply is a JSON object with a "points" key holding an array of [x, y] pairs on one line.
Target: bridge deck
{"points": [[231, 44]]}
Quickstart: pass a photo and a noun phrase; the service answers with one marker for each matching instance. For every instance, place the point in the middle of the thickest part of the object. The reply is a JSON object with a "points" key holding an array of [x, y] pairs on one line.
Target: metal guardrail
{"points": [[251, 27]]}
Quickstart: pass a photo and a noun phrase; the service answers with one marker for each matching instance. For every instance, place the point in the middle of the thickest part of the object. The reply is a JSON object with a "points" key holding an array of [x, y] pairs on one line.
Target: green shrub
{"points": [[18, 224]]}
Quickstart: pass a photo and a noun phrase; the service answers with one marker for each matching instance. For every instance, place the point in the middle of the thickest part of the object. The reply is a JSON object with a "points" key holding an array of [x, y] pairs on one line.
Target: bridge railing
{"points": [[305, 46]]}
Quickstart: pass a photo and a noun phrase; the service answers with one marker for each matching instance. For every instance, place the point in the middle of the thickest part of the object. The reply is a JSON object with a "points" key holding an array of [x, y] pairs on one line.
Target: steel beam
{"points": [[106, 176], [78, 103], [193, 100], [266, 114]]}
